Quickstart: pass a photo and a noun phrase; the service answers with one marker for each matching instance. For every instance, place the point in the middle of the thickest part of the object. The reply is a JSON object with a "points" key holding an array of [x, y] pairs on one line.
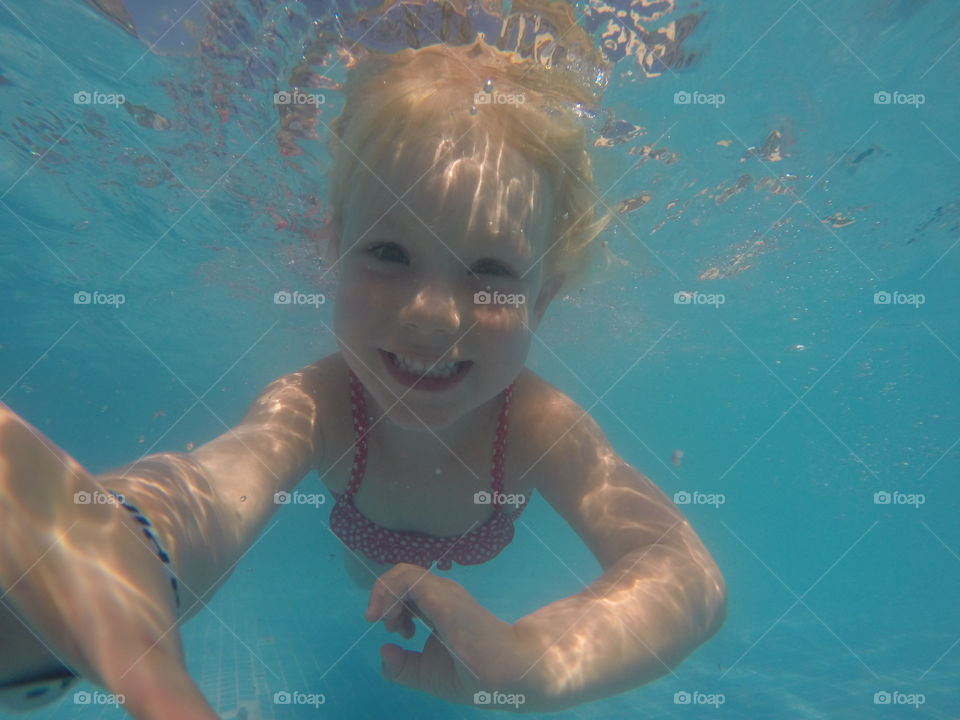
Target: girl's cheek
{"points": [[356, 286], [353, 301], [509, 320]]}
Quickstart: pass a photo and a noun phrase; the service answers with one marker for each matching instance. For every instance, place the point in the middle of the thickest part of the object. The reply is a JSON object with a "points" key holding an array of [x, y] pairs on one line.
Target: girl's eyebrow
{"points": [[395, 217]]}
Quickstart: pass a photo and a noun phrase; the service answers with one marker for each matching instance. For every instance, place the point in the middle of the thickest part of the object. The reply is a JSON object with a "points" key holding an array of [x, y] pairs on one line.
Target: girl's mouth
{"points": [[417, 374]]}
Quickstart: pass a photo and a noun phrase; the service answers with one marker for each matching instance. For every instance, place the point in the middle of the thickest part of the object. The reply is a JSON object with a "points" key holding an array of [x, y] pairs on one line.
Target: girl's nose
{"points": [[432, 309]]}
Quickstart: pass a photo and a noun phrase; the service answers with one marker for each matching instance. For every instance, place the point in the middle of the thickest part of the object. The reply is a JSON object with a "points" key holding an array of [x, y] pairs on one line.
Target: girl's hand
{"points": [[78, 569], [469, 651]]}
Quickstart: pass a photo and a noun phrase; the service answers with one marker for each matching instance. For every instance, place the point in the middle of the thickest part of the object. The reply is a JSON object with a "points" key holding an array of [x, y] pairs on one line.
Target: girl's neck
{"points": [[477, 425]]}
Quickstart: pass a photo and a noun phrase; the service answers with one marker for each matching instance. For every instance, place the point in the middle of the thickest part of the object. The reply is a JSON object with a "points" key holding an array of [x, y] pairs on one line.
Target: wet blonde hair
{"points": [[390, 100]]}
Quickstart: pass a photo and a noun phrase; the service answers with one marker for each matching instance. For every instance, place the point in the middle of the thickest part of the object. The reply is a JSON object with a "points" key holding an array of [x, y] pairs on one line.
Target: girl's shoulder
{"points": [[330, 385], [319, 390], [541, 418], [322, 382], [538, 405]]}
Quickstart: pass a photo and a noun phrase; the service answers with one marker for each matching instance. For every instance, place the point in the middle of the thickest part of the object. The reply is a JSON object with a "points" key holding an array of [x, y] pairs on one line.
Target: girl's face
{"points": [[449, 272]]}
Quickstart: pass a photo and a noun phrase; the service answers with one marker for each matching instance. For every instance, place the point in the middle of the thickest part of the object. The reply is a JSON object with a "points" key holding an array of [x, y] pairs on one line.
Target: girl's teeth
{"points": [[417, 367]]}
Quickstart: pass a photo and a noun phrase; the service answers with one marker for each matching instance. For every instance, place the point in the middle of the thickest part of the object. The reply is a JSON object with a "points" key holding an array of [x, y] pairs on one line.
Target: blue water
{"points": [[797, 399]]}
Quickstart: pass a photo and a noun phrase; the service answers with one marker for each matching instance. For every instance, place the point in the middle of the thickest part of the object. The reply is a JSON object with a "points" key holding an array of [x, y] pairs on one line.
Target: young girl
{"points": [[462, 204]]}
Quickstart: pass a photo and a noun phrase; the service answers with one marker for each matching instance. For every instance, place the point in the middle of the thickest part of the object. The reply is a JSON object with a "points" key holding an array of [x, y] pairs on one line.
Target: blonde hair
{"points": [[390, 100]]}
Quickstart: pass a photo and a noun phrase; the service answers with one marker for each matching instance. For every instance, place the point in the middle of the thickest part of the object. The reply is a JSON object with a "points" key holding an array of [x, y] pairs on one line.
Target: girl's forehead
{"points": [[490, 185]]}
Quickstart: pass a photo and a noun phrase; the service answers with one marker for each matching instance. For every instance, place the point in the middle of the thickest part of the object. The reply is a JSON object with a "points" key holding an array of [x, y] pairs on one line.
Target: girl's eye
{"points": [[490, 267], [391, 252], [388, 252]]}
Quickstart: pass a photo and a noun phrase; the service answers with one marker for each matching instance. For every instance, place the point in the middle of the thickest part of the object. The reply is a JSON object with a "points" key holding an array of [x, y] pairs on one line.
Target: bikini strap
{"points": [[360, 431], [499, 448]]}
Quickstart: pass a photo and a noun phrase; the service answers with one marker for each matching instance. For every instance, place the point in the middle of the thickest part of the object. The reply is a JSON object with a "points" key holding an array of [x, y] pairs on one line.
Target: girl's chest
{"points": [[444, 497], [449, 494]]}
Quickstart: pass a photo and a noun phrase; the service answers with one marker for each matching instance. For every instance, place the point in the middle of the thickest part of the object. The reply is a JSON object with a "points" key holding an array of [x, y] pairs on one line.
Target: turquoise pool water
{"points": [[785, 317]]}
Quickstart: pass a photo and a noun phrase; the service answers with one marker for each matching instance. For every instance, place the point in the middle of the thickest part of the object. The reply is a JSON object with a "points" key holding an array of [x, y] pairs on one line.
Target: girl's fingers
{"points": [[407, 627], [389, 589], [394, 599], [392, 613], [400, 620]]}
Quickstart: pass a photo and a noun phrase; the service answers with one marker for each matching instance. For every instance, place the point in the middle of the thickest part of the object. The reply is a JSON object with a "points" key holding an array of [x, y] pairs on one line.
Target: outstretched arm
{"points": [[84, 581], [211, 504]]}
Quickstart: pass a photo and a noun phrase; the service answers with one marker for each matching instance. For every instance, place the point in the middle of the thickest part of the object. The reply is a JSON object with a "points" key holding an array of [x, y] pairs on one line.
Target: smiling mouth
{"points": [[426, 369]]}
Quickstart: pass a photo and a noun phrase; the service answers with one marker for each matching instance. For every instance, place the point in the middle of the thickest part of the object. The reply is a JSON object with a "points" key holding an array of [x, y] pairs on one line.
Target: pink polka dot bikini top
{"points": [[387, 546]]}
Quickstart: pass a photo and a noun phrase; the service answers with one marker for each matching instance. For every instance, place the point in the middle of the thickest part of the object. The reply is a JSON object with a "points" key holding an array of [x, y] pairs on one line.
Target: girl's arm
{"points": [[78, 572], [210, 505], [661, 594]]}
